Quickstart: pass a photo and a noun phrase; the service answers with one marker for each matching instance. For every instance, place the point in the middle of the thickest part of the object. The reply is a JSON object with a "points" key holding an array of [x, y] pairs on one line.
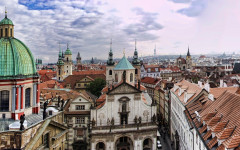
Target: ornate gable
{"points": [[124, 88]]}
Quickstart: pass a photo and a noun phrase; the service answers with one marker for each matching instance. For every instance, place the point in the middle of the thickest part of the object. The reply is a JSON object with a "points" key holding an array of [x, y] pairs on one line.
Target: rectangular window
{"points": [[46, 140], [80, 132], [80, 120], [80, 107]]}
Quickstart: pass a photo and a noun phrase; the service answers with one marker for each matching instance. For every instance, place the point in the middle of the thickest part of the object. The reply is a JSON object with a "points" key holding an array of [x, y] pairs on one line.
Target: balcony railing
{"points": [[132, 125]]}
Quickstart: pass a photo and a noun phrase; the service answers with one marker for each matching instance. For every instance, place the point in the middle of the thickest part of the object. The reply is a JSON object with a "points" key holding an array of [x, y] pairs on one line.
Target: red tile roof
{"points": [[50, 84], [150, 80]]}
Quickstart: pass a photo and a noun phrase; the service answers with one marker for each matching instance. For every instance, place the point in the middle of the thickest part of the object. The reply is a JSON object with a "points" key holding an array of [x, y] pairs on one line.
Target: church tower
{"points": [[110, 66], [79, 59], [136, 63], [60, 67], [189, 60], [68, 62]]}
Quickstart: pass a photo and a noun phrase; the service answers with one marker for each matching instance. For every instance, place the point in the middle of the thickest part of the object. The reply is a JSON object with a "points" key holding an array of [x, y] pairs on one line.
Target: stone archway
{"points": [[100, 146], [124, 143], [147, 144]]}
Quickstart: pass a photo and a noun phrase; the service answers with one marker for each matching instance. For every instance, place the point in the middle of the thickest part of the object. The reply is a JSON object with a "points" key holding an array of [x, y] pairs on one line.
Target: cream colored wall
{"points": [[54, 145], [128, 72], [87, 104], [110, 78], [68, 65]]}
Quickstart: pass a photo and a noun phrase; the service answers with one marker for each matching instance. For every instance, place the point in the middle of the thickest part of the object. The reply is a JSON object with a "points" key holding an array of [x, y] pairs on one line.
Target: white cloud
{"points": [[89, 25]]}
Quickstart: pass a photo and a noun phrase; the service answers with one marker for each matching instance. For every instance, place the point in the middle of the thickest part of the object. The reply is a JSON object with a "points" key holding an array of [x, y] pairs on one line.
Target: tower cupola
{"points": [[135, 61], [6, 27]]}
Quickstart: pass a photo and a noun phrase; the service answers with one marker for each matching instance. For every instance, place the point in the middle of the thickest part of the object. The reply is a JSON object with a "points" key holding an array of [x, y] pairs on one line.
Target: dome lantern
{"points": [[6, 27]]}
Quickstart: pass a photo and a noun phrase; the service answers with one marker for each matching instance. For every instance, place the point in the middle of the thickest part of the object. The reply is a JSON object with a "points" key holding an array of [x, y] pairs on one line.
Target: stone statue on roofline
{"points": [[59, 98], [44, 109], [22, 119], [62, 104], [124, 76]]}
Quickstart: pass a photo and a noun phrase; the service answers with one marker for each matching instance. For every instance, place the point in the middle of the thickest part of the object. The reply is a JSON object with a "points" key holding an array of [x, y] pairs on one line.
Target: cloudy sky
{"points": [[207, 26]]}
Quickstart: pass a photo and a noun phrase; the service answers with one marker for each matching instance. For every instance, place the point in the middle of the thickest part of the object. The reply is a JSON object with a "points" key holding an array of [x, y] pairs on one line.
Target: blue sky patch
{"points": [[36, 4]]}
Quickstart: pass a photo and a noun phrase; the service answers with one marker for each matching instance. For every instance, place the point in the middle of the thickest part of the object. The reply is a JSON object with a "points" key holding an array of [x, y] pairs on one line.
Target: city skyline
{"points": [[206, 26]]}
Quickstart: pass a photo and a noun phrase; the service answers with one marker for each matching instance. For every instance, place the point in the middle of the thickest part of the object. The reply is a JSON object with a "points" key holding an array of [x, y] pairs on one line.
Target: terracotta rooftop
{"points": [[189, 88], [73, 79], [50, 84], [150, 80], [218, 91]]}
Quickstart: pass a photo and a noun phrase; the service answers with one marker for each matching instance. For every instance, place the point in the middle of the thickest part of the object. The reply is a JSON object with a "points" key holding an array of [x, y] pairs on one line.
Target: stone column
{"points": [[16, 102], [21, 97]]}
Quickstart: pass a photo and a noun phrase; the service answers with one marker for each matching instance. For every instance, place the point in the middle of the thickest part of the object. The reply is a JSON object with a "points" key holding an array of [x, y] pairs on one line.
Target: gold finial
{"points": [[124, 51], [5, 11]]}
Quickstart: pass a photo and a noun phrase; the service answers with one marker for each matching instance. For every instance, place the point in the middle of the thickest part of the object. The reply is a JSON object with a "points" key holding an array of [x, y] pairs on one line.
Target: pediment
{"points": [[124, 88]]}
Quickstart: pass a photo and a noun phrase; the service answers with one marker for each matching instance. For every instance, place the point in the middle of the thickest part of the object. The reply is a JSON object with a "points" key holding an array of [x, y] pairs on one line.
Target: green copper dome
{"points": [[68, 52], [6, 21], [16, 60], [124, 64]]}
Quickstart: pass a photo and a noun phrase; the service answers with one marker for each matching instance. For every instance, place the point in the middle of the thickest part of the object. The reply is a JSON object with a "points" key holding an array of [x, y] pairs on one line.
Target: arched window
{"points": [[67, 59], [100, 146], [116, 77], [147, 144], [6, 32], [131, 77], [110, 72], [136, 71], [1, 32], [4, 100], [59, 78], [59, 72], [27, 97]]}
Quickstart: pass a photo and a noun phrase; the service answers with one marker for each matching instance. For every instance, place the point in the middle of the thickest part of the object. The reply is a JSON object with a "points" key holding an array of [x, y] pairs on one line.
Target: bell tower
{"points": [[136, 63], [110, 66], [60, 67], [68, 61]]}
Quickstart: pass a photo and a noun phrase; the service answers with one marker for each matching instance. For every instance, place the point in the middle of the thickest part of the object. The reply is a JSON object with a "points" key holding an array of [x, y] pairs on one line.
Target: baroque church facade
{"points": [[183, 63], [125, 117]]}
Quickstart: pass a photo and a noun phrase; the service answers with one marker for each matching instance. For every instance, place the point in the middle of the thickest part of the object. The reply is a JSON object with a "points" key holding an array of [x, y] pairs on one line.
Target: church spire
{"points": [[110, 56], [60, 53], [135, 56], [135, 45], [188, 53]]}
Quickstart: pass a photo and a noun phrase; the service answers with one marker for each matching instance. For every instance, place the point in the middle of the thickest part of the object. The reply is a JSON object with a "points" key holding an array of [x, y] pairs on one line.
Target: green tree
{"points": [[96, 86]]}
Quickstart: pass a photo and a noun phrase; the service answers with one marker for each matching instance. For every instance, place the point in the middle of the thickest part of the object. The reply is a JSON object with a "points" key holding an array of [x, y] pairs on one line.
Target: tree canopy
{"points": [[96, 86]]}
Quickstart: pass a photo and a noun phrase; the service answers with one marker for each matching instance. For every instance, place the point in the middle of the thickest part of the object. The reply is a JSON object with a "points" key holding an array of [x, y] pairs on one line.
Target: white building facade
{"points": [[126, 116]]}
